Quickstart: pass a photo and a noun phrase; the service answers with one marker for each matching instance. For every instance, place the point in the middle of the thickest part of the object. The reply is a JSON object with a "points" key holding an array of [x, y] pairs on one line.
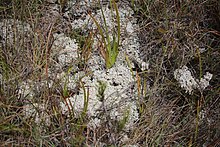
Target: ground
{"points": [[162, 88]]}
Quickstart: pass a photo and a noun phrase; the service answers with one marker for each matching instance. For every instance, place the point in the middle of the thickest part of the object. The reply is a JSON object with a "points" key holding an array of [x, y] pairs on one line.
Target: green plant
{"points": [[85, 42], [101, 90], [110, 50], [129, 65], [81, 124], [79, 36], [86, 100], [124, 120], [86, 50], [200, 99]]}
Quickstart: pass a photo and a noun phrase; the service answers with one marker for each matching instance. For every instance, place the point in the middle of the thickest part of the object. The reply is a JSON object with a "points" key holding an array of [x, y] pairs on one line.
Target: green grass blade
{"points": [[100, 29]]}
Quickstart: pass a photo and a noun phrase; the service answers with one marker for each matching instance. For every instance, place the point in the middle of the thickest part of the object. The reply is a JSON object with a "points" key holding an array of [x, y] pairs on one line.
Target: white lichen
{"points": [[118, 96], [66, 48], [188, 82], [204, 82]]}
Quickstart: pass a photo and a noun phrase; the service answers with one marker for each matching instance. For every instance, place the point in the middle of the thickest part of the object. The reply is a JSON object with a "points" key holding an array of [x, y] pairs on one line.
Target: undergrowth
{"points": [[172, 34]]}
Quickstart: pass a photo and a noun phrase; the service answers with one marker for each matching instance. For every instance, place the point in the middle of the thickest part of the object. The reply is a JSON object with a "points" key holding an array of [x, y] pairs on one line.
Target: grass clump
{"points": [[111, 47]]}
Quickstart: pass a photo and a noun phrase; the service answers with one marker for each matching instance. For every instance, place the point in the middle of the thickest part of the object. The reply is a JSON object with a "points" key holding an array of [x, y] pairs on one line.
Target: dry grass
{"points": [[170, 34]]}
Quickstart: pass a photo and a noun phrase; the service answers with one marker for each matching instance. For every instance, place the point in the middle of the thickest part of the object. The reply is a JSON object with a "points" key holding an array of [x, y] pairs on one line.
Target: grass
{"points": [[171, 35], [101, 90], [111, 47], [167, 30]]}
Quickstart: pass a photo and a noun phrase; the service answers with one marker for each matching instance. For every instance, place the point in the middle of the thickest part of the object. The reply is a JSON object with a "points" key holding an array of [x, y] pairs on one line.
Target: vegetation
{"points": [[172, 33], [111, 48]]}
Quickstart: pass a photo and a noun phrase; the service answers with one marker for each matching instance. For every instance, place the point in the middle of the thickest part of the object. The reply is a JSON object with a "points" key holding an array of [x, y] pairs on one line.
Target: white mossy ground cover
{"points": [[120, 96], [190, 83]]}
